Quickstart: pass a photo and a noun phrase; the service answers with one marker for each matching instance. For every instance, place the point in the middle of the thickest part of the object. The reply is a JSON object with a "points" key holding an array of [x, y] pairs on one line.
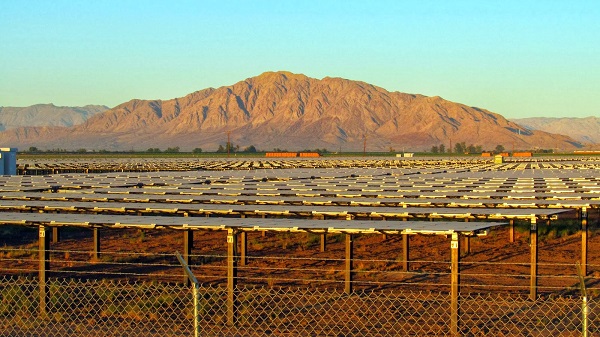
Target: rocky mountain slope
{"points": [[46, 115], [585, 130], [293, 112]]}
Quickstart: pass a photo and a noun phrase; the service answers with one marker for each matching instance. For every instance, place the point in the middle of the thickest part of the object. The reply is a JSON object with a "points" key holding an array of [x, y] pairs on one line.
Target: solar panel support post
{"points": [[511, 230], [533, 232], [96, 244], [584, 235], [188, 244], [243, 248], [349, 262], [44, 257], [231, 276], [323, 241], [467, 247], [55, 234], [454, 283], [405, 252]]}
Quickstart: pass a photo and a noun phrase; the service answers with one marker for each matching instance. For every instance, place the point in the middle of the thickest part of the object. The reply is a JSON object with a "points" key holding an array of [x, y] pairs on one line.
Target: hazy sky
{"points": [[517, 58]]}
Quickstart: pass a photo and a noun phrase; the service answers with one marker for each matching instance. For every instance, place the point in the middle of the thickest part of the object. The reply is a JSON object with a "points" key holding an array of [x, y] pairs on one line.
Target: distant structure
{"points": [[586, 152], [309, 154], [292, 154], [522, 154], [8, 161], [281, 154]]}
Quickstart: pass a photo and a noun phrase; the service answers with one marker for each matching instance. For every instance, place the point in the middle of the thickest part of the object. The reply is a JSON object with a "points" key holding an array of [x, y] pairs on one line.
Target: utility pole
{"points": [[228, 143], [364, 145]]}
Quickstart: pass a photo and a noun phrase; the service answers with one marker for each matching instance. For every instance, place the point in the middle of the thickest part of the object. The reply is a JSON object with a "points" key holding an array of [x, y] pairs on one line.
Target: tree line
{"points": [[462, 148]]}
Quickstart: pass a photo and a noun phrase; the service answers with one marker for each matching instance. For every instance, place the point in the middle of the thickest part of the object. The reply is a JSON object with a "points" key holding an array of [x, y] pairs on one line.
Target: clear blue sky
{"points": [[517, 58]]}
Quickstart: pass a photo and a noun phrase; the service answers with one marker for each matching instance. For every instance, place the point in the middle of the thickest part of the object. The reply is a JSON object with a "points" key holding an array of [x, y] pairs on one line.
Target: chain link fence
{"points": [[77, 307]]}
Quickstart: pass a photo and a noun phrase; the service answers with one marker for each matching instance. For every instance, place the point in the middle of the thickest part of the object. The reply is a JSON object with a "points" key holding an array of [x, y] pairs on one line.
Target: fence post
{"points": [[534, 258], [584, 235], [44, 257], [232, 270], [454, 284], [195, 292]]}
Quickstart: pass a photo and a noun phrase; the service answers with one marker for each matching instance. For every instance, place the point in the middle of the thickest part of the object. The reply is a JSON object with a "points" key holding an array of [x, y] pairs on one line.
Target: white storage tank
{"points": [[9, 160]]}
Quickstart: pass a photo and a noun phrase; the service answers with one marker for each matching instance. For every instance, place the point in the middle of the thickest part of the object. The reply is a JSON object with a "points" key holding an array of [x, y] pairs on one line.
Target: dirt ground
{"points": [[294, 259]]}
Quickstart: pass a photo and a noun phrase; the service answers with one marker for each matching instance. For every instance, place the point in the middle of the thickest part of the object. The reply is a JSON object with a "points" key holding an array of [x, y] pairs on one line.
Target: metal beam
{"points": [[349, 262], [511, 230], [244, 249], [467, 247], [323, 241], [96, 245], [55, 234], [584, 239], [188, 244], [405, 252]]}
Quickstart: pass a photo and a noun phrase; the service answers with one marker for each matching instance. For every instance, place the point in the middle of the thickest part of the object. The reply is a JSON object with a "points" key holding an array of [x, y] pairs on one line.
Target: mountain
{"points": [[293, 112], [585, 130], [46, 115]]}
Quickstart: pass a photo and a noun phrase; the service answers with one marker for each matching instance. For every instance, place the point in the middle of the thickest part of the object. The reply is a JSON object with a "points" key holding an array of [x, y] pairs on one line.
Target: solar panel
{"points": [[251, 224]]}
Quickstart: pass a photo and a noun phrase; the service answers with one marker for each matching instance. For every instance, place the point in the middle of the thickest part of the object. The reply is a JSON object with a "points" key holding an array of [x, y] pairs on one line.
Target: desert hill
{"points": [[585, 130], [294, 112], [46, 115]]}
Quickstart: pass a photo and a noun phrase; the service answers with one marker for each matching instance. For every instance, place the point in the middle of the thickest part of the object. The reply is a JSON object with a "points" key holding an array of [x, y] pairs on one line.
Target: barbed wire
{"points": [[273, 279], [331, 269], [356, 268]]}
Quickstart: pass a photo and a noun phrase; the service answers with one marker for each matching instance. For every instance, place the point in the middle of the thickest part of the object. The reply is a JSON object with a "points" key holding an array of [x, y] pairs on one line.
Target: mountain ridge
{"points": [[291, 111], [585, 130], [46, 115]]}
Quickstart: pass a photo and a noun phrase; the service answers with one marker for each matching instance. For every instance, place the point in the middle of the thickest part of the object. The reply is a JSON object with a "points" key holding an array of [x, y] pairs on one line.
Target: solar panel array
{"points": [[409, 189]]}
